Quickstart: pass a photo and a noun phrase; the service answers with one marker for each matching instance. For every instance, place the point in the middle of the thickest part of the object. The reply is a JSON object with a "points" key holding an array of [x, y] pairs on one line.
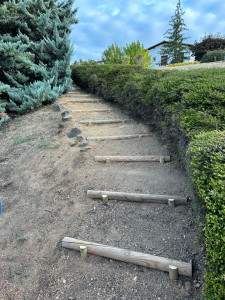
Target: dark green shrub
{"points": [[195, 98], [211, 56], [207, 153], [208, 43]]}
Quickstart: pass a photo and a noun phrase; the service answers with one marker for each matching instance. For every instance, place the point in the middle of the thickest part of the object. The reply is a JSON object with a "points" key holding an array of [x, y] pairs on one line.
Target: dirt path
{"points": [[43, 184]]}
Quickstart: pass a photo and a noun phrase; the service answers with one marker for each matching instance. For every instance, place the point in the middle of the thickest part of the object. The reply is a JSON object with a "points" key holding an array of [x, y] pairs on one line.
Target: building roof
{"points": [[163, 42]]}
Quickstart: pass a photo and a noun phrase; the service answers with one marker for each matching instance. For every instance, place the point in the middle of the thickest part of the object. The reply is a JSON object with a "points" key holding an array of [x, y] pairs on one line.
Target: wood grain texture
{"points": [[133, 197], [92, 110], [72, 94], [146, 260], [83, 101], [104, 121], [173, 272], [118, 137], [117, 158]]}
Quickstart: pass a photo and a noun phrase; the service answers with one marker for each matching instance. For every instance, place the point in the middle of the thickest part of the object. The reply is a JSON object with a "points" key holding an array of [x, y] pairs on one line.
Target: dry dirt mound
{"points": [[45, 174]]}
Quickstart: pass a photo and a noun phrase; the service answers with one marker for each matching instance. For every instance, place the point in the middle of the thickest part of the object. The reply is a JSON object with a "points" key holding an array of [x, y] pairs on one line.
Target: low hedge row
{"points": [[207, 165], [215, 55], [189, 108]]}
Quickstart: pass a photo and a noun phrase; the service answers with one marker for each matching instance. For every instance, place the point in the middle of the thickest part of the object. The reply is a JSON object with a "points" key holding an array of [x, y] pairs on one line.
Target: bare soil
{"points": [[43, 184]]}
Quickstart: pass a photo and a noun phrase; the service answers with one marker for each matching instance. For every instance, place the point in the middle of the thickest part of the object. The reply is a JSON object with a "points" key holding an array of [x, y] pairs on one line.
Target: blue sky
{"points": [[102, 23]]}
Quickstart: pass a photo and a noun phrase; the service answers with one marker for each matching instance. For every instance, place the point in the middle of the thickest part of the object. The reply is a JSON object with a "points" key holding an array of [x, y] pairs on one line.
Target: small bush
{"points": [[211, 56]]}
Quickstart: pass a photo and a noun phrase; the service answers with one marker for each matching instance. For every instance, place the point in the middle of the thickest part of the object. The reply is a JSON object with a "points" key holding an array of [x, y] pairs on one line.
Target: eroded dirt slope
{"points": [[43, 184]]}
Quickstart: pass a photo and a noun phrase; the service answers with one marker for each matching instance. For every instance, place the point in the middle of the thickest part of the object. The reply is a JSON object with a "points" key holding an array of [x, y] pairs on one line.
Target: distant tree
{"points": [[137, 54], [113, 54], [134, 53], [208, 43], [175, 48]]}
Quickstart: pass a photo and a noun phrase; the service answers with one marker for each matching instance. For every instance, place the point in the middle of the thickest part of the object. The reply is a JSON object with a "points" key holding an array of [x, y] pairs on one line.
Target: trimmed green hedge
{"points": [[189, 108], [207, 153], [215, 55]]}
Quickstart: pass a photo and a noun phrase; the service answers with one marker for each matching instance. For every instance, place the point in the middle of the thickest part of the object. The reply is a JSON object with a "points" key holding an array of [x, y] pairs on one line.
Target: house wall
{"points": [[157, 62]]}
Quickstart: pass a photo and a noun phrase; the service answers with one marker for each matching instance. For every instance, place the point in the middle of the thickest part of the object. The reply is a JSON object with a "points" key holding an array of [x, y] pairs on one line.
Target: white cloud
{"points": [[204, 3], [210, 17], [102, 6], [165, 7], [148, 2], [115, 11], [191, 15]]}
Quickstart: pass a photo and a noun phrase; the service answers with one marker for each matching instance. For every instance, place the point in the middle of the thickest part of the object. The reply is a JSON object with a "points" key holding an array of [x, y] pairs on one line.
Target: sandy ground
{"points": [[43, 184]]}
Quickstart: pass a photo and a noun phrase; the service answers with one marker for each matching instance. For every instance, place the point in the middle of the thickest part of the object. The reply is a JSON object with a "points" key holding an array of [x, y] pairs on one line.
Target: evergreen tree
{"points": [[34, 52], [174, 48]]}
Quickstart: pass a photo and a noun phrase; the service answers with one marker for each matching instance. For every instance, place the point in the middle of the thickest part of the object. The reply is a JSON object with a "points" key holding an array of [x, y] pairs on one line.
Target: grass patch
{"points": [[20, 140], [21, 239], [22, 274], [65, 172], [55, 123], [42, 235], [46, 145], [72, 144]]}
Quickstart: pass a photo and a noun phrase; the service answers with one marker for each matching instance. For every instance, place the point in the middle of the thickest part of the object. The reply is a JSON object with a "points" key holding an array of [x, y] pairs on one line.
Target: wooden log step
{"points": [[92, 110], [133, 197], [118, 137], [72, 94], [76, 96], [104, 121], [137, 258], [83, 101], [117, 158]]}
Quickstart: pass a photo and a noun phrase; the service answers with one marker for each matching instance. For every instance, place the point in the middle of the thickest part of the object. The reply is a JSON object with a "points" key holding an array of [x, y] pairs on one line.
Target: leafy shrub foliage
{"points": [[211, 56], [208, 172], [34, 53], [208, 43], [113, 54], [188, 106], [134, 53]]}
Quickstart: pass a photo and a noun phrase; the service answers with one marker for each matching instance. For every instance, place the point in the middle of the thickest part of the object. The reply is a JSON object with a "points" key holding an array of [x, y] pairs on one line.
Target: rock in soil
{"points": [[58, 107], [85, 149], [74, 132], [84, 144], [66, 118]]}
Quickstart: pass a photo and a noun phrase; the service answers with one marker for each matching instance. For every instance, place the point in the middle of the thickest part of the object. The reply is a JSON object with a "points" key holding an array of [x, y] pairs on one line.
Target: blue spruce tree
{"points": [[35, 53]]}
